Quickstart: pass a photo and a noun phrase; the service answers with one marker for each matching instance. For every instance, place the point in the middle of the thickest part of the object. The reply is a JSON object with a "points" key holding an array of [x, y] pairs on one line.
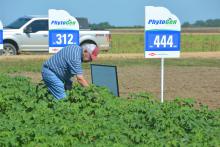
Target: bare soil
{"points": [[201, 83]]}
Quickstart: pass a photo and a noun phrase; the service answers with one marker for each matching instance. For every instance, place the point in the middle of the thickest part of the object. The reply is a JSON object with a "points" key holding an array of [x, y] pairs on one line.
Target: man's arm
{"points": [[82, 81]]}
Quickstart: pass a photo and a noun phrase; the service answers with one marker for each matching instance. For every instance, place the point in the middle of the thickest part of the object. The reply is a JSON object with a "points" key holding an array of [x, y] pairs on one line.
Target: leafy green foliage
{"points": [[30, 116]]}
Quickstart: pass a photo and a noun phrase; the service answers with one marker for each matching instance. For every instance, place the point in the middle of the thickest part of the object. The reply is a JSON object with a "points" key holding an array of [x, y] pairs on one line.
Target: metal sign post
{"points": [[162, 78], [1, 38], [162, 36], [63, 30]]}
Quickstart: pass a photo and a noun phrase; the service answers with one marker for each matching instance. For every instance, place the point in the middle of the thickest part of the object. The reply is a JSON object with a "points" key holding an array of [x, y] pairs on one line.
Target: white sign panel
{"points": [[1, 36], [63, 30], [162, 33]]}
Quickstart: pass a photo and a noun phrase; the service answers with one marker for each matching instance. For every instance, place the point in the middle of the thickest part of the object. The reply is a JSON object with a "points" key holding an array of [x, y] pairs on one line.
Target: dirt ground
{"points": [[201, 83]]}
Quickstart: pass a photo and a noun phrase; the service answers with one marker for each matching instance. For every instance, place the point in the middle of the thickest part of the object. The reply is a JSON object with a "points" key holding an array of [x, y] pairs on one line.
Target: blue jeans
{"points": [[54, 84]]}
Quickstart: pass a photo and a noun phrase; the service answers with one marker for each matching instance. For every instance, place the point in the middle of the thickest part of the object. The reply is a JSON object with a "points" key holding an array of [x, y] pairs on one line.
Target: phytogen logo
{"points": [[161, 22], [68, 22], [152, 54]]}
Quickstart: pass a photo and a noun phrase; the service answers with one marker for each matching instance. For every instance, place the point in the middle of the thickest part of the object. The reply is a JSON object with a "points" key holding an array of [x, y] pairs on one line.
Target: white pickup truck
{"points": [[30, 34]]}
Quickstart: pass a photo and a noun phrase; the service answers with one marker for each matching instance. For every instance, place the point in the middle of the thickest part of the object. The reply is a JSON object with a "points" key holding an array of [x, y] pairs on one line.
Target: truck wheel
{"points": [[9, 49], [84, 44]]}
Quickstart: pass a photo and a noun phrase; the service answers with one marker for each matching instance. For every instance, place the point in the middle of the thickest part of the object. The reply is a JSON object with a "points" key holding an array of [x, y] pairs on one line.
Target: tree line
{"points": [[201, 23], [198, 23], [107, 25]]}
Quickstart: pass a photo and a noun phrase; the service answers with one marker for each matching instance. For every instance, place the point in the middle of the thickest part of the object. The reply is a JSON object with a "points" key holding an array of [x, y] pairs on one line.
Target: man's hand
{"points": [[82, 81]]}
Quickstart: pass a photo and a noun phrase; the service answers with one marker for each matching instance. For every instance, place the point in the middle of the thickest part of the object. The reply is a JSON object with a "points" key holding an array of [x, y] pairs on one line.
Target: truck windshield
{"points": [[83, 23], [18, 23]]}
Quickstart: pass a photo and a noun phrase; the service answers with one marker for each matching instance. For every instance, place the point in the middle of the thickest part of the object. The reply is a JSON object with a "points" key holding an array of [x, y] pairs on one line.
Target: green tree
{"points": [[101, 26], [199, 23], [186, 24]]}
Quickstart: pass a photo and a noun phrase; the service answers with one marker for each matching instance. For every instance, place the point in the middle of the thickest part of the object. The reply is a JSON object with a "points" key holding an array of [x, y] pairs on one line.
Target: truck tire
{"points": [[84, 44], [9, 49]]}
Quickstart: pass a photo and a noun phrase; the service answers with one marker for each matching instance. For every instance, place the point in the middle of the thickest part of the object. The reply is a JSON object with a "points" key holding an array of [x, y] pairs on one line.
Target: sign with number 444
{"points": [[162, 33]]}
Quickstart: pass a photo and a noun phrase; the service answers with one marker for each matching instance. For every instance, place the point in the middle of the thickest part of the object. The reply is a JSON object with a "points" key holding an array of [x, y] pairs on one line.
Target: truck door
{"points": [[35, 37]]}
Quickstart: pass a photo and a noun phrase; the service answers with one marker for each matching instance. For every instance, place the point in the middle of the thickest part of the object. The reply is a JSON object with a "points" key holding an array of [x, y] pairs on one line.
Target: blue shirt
{"points": [[66, 63]]}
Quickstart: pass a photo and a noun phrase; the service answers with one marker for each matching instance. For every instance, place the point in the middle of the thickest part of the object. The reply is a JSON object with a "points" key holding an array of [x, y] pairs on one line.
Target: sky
{"points": [[116, 12]]}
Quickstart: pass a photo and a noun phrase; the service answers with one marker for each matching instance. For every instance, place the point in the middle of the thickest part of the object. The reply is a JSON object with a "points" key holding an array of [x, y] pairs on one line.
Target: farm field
{"points": [[190, 116], [186, 77], [134, 43], [31, 117], [94, 117]]}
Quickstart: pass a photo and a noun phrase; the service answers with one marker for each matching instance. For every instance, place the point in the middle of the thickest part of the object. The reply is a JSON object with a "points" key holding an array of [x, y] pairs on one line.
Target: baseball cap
{"points": [[93, 50]]}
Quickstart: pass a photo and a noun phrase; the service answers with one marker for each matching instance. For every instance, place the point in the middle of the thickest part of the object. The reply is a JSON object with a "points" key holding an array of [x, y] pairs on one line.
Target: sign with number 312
{"points": [[63, 30]]}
